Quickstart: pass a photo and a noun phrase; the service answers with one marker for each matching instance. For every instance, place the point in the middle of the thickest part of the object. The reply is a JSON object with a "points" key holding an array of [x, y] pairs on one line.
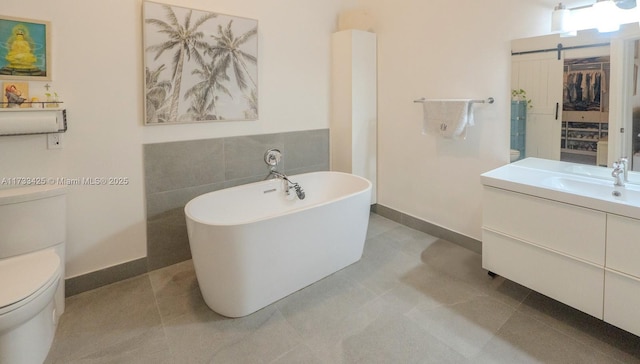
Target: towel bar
{"points": [[490, 100]]}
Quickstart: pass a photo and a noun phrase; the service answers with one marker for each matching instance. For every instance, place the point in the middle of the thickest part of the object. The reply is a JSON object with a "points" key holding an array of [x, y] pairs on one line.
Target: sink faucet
{"points": [[618, 173], [625, 168]]}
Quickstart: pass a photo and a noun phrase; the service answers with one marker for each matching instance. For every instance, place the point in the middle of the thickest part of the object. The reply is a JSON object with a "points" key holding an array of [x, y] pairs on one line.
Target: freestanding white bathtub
{"points": [[252, 245]]}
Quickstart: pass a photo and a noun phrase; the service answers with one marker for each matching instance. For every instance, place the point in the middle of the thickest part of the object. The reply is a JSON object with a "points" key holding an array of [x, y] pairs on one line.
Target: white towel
{"points": [[450, 118]]}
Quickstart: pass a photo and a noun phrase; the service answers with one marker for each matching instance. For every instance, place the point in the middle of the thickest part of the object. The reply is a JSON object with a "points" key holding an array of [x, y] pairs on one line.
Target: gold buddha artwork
{"points": [[22, 48], [20, 55]]}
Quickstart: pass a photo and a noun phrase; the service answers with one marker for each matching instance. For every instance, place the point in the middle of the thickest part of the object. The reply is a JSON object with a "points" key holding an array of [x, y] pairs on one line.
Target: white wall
{"points": [[97, 69], [445, 49], [432, 49]]}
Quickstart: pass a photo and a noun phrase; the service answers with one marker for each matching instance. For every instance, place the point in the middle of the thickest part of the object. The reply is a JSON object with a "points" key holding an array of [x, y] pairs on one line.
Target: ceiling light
{"points": [[605, 11], [560, 19]]}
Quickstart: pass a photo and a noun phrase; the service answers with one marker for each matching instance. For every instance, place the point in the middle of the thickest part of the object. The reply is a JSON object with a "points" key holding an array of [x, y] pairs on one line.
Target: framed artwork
{"points": [[199, 65], [25, 49], [14, 94]]}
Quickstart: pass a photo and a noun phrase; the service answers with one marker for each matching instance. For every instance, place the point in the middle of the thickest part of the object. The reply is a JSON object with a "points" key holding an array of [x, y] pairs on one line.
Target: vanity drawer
{"points": [[561, 227], [576, 283], [621, 301], [623, 244]]}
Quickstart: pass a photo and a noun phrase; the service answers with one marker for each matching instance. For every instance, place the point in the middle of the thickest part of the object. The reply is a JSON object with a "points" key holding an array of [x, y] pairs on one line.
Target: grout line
{"points": [[162, 320]]}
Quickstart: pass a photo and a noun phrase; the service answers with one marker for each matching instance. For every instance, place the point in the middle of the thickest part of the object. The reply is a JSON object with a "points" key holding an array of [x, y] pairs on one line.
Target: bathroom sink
{"points": [[593, 187], [582, 186], [587, 186]]}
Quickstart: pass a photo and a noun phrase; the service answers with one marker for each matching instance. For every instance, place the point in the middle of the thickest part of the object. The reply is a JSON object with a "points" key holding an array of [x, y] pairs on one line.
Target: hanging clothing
{"points": [[582, 90]]}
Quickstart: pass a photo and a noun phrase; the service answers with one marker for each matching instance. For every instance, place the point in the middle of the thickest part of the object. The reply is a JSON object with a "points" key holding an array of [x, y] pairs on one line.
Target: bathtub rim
{"points": [[190, 216]]}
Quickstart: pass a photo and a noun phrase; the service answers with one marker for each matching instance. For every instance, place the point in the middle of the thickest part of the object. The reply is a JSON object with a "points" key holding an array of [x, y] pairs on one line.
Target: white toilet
{"points": [[515, 155], [32, 251]]}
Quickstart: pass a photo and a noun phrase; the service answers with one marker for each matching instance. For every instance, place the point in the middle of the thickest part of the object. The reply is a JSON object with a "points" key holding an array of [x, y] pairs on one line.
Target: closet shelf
{"points": [[585, 111]]}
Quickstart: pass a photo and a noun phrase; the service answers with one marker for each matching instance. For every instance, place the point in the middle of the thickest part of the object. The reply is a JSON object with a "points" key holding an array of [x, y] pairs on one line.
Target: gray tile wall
{"points": [[176, 172]]}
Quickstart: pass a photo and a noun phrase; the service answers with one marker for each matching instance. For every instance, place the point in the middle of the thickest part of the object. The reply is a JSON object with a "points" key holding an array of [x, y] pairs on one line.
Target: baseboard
{"points": [[99, 278], [427, 227]]}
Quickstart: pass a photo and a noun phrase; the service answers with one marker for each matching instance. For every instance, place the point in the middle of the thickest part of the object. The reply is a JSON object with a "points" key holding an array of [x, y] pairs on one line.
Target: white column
{"points": [[354, 104]]}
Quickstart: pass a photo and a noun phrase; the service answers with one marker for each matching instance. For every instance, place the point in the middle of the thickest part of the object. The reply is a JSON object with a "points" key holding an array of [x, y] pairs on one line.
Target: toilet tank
{"points": [[31, 218]]}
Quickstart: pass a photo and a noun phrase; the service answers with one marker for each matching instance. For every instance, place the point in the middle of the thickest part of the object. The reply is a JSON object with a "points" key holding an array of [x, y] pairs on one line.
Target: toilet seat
{"points": [[24, 277]]}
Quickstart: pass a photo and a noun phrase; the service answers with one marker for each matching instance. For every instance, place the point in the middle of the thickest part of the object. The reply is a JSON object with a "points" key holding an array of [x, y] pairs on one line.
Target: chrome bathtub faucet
{"points": [[299, 191], [275, 174], [272, 157]]}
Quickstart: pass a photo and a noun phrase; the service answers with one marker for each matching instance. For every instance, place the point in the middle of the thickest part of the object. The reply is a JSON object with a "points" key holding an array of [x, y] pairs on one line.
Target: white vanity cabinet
{"points": [[583, 257], [622, 273], [564, 230], [551, 247]]}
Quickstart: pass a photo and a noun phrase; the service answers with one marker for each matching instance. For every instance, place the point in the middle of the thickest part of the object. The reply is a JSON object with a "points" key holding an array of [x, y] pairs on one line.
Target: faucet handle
{"points": [[617, 167], [272, 157]]}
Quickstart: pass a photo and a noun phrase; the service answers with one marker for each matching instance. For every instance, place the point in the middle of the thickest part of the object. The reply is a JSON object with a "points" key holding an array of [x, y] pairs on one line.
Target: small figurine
{"points": [[14, 96]]}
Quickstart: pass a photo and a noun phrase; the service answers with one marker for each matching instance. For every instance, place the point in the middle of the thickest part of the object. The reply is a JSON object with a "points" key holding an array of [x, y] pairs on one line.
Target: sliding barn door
{"points": [[540, 75]]}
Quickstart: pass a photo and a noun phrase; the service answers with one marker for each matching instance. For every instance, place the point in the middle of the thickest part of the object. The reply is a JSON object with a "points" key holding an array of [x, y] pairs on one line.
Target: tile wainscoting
{"points": [[176, 172]]}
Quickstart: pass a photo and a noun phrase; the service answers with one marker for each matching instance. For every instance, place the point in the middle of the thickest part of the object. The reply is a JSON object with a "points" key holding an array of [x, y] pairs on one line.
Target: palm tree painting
{"points": [[199, 65]]}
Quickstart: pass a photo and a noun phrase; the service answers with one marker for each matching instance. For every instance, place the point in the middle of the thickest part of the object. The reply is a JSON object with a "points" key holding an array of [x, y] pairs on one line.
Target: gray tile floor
{"points": [[411, 299]]}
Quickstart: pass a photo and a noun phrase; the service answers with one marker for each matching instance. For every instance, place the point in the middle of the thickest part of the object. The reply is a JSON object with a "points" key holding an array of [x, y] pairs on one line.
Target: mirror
{"points": [[628, 101], [578, 104]]}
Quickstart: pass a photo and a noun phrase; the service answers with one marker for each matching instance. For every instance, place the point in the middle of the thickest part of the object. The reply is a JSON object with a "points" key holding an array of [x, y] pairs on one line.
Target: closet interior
{"points": [[585, 110]]}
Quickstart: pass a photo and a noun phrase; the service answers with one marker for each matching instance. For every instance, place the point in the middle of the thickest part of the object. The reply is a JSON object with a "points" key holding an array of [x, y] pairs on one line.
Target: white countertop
{"points": [[577, 184]]}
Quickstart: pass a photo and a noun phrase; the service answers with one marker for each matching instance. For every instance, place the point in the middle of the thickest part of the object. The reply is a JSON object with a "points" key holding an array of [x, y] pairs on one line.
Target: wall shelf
{"points": [[32, 105], [33, 120]]}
